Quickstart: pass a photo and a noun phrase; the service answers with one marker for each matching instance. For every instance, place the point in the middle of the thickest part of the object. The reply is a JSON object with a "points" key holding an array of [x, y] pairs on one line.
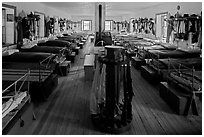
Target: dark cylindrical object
{"points": [[100, 21], [115, 113], [112, 79]]}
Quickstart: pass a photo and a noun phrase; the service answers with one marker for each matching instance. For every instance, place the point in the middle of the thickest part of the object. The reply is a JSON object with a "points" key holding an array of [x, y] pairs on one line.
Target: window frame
{"points": [[110, 23], [90, 25]]}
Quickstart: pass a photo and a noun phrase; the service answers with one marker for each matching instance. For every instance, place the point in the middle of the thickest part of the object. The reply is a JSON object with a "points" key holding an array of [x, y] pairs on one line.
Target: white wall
{"points": [[37, 6]]}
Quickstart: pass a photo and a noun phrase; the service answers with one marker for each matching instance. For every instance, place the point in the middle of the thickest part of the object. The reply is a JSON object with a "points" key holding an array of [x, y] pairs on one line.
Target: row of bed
{"points": [[30, 73], [178, 70]]}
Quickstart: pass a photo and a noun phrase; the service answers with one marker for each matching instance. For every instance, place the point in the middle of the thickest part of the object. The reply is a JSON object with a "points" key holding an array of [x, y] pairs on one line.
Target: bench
{"points": [[64, 68], [149, 74], [180, 102], [89, 63], [137, 62]]}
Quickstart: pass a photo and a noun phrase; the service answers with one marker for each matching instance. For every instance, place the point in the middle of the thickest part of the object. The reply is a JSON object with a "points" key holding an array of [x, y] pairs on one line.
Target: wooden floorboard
{"points": [[66, 112], [170, 121]]}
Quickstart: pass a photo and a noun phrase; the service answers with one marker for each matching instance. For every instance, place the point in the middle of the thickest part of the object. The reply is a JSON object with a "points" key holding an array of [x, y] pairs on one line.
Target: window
{"points": [[86, 25], [108, 25], [10, 18]]}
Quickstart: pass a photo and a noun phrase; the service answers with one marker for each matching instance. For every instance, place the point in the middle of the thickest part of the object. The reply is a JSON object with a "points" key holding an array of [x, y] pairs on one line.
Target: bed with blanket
{"points": [[55, 43], [61, 43], [144, 46], [164, 66], [168, 53], [61, 51], [42, 74], [45, 49], [26, 60]]}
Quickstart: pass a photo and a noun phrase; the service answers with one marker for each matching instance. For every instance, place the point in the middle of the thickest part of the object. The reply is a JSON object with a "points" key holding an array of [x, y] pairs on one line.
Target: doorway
{"points": [[8, 25], [161, 26], [40, 25]]}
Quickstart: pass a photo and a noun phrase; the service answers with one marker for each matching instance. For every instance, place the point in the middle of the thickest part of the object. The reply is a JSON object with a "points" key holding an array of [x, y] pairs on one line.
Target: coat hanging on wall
{"points": [[19, 20], [62, 24], [50, 25], [170, 28], [47, 26]]}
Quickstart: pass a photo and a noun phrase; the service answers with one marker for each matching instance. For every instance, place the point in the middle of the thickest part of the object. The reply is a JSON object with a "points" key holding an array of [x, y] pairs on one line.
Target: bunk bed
{"points": [[183, 90], [42, 71], [155, 55], [160, 54], [163, 66], [17, 111]]}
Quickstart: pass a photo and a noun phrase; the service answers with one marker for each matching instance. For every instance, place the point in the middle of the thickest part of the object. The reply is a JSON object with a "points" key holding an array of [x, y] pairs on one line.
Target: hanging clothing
{"points": [[26, 28], [153, 29], [186, 30], [170, 29], [200, 34], [19, 34], [181, 28], [98, 88], [200, 38]]}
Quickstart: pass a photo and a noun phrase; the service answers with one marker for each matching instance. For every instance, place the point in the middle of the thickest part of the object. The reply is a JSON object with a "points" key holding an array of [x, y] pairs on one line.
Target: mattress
{"points": [[26, 57], [44, 49], [55, 43], [161, 54]]}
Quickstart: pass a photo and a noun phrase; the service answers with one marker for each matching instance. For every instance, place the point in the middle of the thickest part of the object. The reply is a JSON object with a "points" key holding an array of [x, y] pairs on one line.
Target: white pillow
{"points": [[29, 45], [9, 52]]}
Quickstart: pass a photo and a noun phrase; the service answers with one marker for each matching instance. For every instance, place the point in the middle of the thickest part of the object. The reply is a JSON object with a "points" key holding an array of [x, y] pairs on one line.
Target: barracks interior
{"points": [[101, 68]]}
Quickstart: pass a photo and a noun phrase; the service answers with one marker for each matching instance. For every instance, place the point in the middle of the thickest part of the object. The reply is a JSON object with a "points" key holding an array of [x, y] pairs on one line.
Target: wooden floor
{"points": [[67, 109]]}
